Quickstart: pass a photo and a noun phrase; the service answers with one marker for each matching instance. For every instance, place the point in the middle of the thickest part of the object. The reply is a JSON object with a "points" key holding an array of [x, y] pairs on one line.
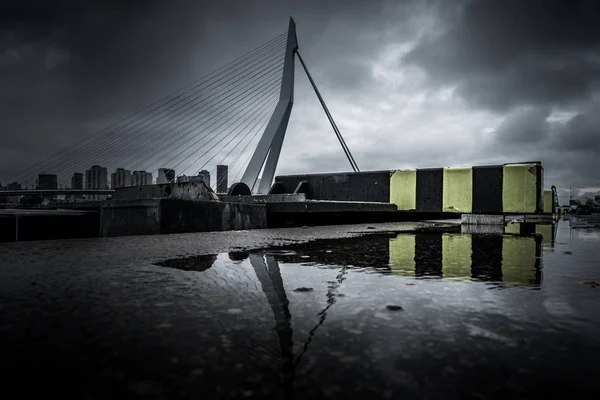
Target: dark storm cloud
{"points": [[568, 149], [69, 68], [505, 53], [527, 126]]}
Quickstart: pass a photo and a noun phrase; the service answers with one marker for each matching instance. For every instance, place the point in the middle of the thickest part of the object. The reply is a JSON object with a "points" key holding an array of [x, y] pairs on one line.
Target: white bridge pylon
{"points": [[268, 148]]}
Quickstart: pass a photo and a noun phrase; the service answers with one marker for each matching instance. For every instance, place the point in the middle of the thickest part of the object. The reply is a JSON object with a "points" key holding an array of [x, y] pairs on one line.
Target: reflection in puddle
{"points": [[195, 263], [511, 259], [333, 304]]}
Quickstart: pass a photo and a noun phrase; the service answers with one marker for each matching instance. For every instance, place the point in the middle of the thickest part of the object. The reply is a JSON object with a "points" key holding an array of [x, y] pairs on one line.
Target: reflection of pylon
{"points": [[268, 273]]}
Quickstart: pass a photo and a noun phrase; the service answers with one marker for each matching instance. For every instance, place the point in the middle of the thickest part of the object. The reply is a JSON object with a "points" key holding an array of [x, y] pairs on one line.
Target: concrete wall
{"points": [[163, 216], [181, 190], [508, 188], [372, 186]]}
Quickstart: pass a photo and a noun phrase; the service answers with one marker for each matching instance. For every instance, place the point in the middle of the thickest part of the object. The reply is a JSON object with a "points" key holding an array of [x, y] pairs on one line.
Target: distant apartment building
{"points": [[120, 178], [77, 181], [47, 182], [165, 175], [141, 178], [222, 177], [14, 186], [76, 184], [96, 178], [204, 175]]}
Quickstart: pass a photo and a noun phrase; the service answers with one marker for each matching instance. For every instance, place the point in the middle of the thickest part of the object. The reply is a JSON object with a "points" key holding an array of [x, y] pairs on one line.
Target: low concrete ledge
{"points": [[482, 219], [265, 198], [482, 229], [486, 219], [316, 206], [182, 190], [164, 216]]}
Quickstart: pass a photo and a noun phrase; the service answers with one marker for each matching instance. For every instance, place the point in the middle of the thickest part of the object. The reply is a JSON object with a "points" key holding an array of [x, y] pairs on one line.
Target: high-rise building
{"points": [[141, 178], [222, 176], [96, 178], [204, 175], [77, 181], [120, 178], [165, 175], [47, 182]]}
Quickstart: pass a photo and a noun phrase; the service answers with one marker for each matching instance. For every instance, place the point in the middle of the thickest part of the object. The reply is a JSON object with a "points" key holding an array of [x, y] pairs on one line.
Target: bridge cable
{"points": [[171, 106], [241, 96], [333, 125], [230, 165], [214, 134], [144, 109], [150, 138], [236, 159], [256, 120]]}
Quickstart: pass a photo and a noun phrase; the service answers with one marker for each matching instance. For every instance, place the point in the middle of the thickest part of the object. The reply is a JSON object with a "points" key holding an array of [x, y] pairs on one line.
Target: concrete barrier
{"points": [[522, 188], [164, 216], [495, 189]]}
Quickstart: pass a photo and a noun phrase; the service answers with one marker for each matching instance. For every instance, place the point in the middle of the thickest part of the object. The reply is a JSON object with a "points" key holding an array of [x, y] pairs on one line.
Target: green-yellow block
{"points": [[458, 190], [456, 256], [513, 229], [518, 260], [546, 231], [402, 254], [403, 189], [548, 200], [519, 192]]}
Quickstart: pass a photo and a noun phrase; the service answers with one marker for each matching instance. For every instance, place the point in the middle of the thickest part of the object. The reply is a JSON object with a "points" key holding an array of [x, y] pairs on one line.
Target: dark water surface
{"points": [[426, 315]]}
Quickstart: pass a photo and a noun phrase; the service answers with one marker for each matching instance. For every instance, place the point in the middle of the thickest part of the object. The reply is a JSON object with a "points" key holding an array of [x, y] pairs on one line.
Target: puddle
{"points": [[510, 259], [383, 309]]}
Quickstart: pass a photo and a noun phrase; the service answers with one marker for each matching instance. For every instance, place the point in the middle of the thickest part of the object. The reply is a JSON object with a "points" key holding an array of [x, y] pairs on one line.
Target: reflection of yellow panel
{"points": [[546, 231], [403, 189], [402, 254], [518, 260], [512, 229], [519, 191], [458, 190], [548, 199], [456, 256]]}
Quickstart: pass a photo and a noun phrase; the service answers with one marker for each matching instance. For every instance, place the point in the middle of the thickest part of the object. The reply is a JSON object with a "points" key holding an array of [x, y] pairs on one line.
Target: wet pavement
{"points": [[423, 314]]}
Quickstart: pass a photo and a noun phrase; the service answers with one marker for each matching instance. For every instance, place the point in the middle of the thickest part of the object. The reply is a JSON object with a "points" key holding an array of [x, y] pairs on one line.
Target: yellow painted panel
{"points": [[513, 229], [403, 189], [518, 260], [548, 199], [456, 256], [519, 192], [402, 254], [458, 190], [545, 231]]}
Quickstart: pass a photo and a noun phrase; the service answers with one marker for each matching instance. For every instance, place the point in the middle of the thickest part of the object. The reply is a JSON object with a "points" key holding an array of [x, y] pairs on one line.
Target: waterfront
{"points": [[416, 315]]}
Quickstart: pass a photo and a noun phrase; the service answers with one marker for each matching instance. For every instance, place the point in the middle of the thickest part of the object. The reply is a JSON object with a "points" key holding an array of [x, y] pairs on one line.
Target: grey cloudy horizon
{"points": [[411, 84]]}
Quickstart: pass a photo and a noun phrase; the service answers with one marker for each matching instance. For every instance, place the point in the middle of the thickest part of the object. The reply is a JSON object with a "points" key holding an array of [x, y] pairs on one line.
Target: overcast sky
{"points": [[410, 83]]}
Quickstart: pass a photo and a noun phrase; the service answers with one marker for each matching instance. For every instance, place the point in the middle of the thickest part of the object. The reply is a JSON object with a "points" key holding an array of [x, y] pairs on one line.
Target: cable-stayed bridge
{"points": [[235, 116]]}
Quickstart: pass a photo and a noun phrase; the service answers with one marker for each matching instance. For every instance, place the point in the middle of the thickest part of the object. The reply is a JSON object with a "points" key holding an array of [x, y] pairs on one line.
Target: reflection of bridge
{"points": [[216, 120], [503, 259]]}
